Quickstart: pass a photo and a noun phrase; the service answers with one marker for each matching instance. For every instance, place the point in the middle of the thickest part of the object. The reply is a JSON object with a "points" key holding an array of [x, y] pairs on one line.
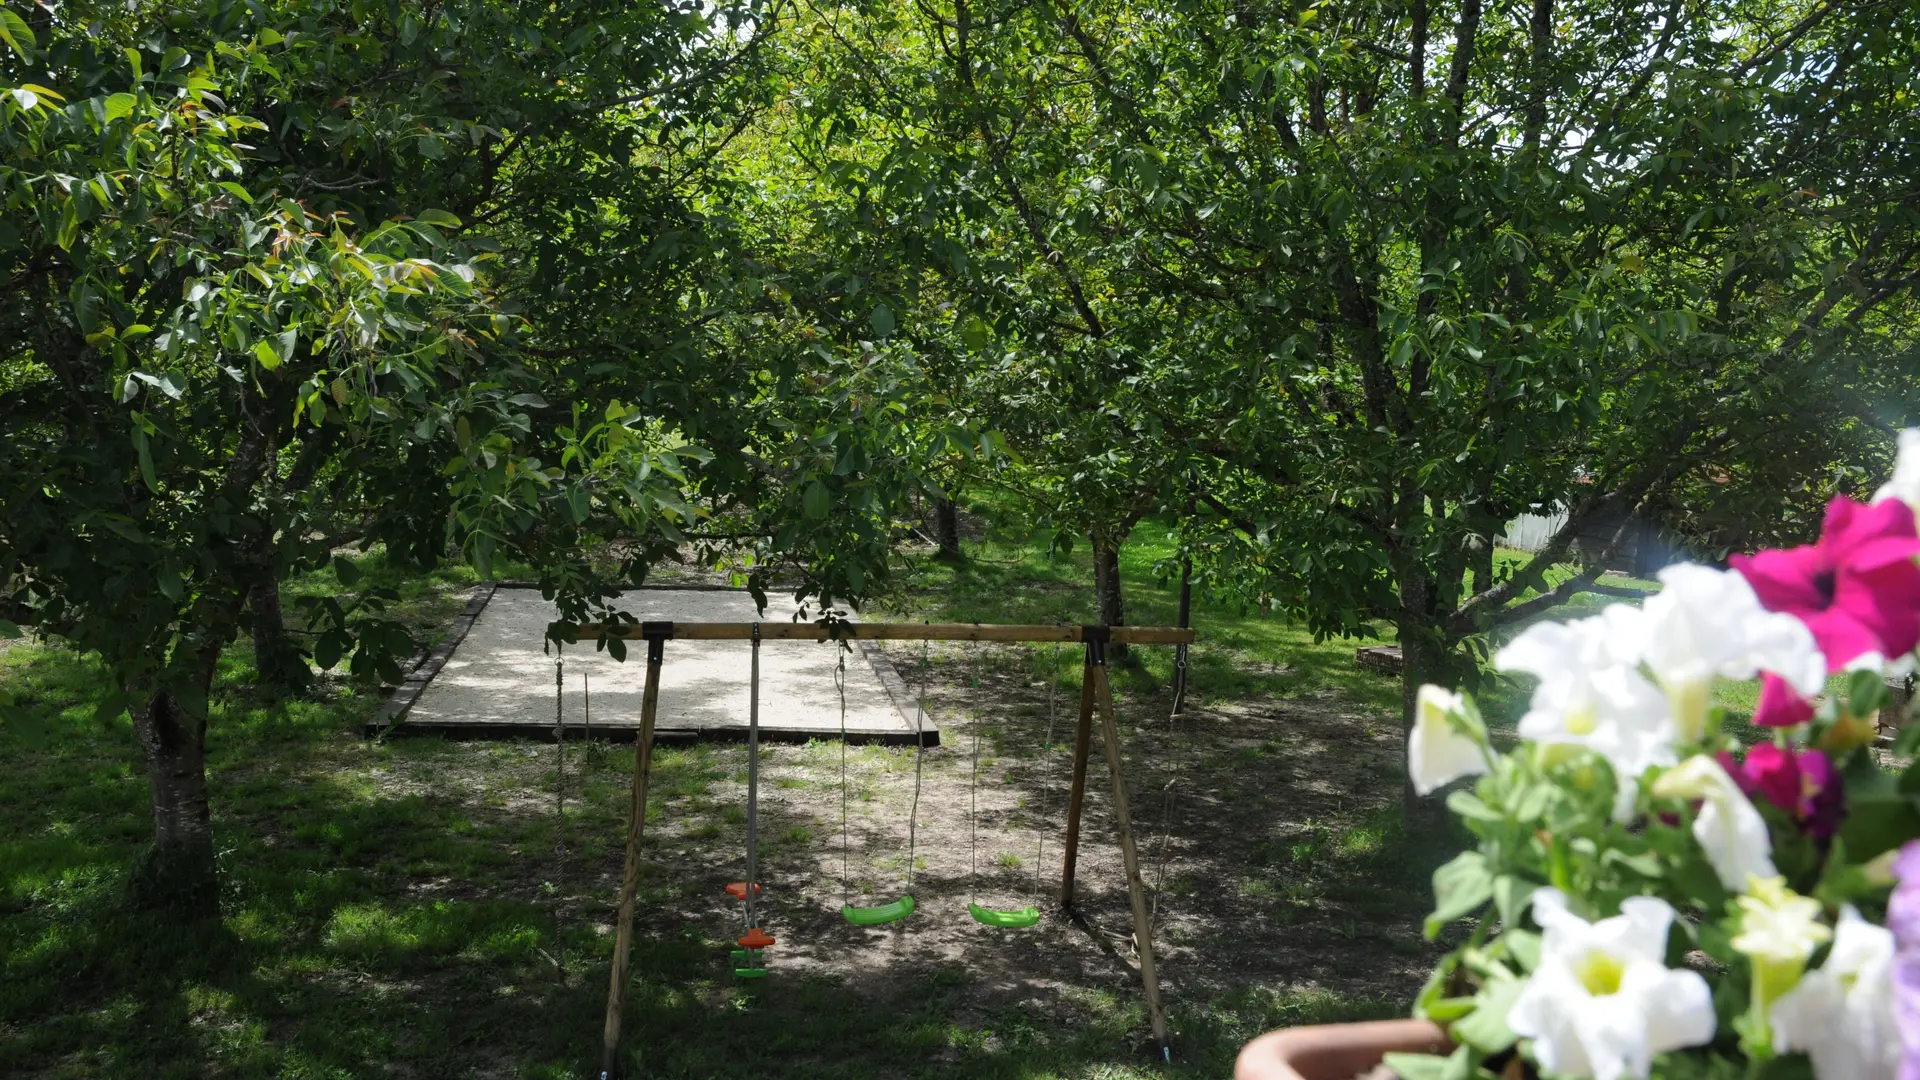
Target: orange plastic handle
{"points": [[756, 939], [738, 890]]}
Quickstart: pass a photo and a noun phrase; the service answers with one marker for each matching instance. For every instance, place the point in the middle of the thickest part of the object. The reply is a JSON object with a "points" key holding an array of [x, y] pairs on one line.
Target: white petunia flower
{"points": [[1591, 694], [1602, 1001], [1706, 624], [1905, 482], [1729, 829], [1841, 1014], [1438, 751]]}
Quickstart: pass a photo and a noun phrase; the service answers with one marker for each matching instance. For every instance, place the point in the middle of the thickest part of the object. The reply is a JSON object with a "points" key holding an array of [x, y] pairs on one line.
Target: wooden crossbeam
{"points": [[792, 631]]}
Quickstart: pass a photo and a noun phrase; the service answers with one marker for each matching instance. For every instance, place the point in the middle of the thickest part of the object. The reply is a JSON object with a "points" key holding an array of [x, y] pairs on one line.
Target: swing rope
{"points": [[919, 755], [973, 790], [753, 780], [1167, 794], [903, 907], [560, 811], [747, 962], [840, 684], [1046, 771], [1006, 920]]}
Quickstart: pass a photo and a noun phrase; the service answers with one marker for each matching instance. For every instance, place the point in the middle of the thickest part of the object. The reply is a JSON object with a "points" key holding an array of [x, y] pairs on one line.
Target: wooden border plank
{"points": [[790, 631], [402, 700]]}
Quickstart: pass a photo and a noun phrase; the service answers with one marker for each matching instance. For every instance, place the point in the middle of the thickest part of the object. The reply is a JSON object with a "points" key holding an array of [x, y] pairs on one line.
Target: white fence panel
{"points": [[1530, 532]]}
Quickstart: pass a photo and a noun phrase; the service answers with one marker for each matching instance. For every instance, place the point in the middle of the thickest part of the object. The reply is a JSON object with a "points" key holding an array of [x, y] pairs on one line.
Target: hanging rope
{"points": [[1046, 770], [559, 810], [840, 684], [973, 815], [919, 754], [1167, 796], [753, 780]]}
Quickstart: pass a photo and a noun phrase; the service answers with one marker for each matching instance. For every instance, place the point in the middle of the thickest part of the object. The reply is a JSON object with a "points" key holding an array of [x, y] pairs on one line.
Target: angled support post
{"points": [[1076, 799], [656, 637], [1129, 854]]}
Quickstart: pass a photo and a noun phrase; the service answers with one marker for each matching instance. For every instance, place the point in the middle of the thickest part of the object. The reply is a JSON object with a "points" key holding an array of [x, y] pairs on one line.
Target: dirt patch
{"points": [[1263, 830]]}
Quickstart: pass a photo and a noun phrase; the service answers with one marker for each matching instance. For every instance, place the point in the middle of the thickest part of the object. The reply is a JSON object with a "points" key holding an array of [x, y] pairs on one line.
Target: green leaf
{"points": [[145, 454], [1511, 895], [1878, 821], [1523, 946], [326, 651], [263, 352], [1910, 779], [1431, 1067], [1459, 887], [190, 699], [9, 628], [17, 34], [1866, 692], [1485, 1029], [882, 319], [438, 218], [170, 584], [237, 191], [1907, 743], [119, 105], [25, 726], [110, 707], [345, 570], [816, 500], [1468, 805]]}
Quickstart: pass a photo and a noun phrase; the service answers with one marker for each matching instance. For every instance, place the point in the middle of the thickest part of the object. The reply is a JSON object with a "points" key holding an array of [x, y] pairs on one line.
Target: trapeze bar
{"points": [[786, 631]]}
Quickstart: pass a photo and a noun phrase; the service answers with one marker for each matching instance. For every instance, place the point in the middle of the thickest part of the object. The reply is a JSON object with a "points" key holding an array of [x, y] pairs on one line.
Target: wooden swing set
{"points": [[1096, 701]]}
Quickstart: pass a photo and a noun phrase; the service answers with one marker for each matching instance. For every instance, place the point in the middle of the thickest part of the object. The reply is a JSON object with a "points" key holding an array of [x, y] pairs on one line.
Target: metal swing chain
{"points": [[919, 754], [840, 684]]}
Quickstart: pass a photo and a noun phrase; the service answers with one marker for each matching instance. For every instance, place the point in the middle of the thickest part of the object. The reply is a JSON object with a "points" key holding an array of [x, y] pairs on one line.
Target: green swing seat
{"points": [[1006, 920], [747, 966], [879, 914]]}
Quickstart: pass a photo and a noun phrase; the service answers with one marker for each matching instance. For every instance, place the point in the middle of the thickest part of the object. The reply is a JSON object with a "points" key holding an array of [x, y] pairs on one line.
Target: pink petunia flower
{"points": [[1780, 705], [1803, 784], [1857, 589]]}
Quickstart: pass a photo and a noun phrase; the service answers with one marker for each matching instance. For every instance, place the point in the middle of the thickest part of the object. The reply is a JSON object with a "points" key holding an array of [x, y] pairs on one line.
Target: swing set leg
{"points": [[1136, 888], [1082, 740], [630, 879]]}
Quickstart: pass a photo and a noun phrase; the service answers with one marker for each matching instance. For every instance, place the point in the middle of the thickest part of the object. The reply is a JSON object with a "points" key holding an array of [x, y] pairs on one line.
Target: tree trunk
{"points": [[279, 664], [1422, 661], [946, 529], [178, 872], [1106, 588]]}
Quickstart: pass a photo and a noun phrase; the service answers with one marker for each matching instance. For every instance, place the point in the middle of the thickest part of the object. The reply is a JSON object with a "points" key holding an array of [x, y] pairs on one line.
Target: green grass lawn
{"points": [[390, 908], [399, 908]]}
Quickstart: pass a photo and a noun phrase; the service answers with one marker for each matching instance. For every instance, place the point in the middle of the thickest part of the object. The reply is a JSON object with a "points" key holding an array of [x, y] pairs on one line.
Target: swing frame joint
{"points": [[657, 634], [1096, 637]]}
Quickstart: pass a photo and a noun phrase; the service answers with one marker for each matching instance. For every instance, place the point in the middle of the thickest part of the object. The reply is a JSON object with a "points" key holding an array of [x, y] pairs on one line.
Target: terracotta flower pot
{"points": [[1335, 1051]]}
